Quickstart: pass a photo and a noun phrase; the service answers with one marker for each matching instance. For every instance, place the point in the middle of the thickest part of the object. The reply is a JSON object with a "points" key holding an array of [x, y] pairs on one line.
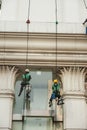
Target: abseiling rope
{"points": [[24, 102], [56, 23], [28, 22]]}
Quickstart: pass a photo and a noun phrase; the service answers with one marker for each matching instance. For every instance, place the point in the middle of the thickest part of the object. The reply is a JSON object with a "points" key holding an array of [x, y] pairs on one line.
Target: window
{"points": [[36, 115], [39, 92]]}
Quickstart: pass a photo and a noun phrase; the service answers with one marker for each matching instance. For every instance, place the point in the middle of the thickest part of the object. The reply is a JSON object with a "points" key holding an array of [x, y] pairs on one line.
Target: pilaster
{"points": [[7, 80], [73, 80]]}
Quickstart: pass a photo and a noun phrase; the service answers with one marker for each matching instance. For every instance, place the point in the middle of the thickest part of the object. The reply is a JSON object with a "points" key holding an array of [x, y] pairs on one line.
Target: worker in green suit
{"points": [[25, 80], [55, 93]]}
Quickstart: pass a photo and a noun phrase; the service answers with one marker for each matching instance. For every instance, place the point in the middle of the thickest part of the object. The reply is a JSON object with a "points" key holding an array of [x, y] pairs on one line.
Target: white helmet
{"points": [[27, 70]]}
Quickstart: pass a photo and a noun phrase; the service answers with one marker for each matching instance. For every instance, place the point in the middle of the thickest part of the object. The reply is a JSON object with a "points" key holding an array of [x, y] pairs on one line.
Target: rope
{"points": [[28, 9], [56, 23], [4, 51], [28, 22]]}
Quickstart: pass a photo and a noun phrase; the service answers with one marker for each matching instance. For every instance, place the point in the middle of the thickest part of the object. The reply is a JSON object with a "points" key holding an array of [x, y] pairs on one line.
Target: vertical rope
{"points": [[4, 51], [56, 23], [28, 9], [28, 22], [27, 46]]}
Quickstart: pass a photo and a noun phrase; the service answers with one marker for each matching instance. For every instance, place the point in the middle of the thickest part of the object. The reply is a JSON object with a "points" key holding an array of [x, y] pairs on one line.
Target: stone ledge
{"points": [[5, 128], [75, 94], [6, 93], [75, 129], [44, 35], [17, 117]]}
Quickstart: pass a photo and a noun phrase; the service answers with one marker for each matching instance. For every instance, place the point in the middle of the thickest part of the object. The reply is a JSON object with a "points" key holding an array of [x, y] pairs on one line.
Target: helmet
{"points": [[55, 81], [27, 70]]}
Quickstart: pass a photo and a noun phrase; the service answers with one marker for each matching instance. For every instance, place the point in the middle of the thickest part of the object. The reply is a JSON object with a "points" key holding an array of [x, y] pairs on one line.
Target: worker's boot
{"points": [[60, 102], [50, 103]]}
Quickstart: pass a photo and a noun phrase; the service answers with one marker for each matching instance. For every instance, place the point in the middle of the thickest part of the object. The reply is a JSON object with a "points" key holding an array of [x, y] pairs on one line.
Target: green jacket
{"points": [[56, 87], [26, 77]]}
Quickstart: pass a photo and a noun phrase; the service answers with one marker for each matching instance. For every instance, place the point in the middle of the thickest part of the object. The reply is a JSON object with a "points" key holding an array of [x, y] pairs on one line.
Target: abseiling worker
{"points": [[25, 80], [56, 93]]}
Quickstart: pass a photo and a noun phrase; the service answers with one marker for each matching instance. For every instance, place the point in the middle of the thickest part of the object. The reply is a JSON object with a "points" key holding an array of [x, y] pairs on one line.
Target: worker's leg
{"points": [[21, 89], [28, 90], [28, 93], [51, 98], [60, 99]]}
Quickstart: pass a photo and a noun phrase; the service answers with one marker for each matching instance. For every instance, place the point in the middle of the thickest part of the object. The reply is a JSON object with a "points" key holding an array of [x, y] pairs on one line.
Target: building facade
{"points": [[54, 43]]}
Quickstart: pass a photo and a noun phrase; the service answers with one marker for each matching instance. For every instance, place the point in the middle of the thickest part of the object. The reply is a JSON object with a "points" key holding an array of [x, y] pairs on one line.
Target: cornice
{"points": [[43, 35], [43, 54]]}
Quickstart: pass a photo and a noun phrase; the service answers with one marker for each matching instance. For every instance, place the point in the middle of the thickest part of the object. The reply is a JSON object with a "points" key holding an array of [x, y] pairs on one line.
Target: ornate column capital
{"points": [[73, 79], [8, 76]]}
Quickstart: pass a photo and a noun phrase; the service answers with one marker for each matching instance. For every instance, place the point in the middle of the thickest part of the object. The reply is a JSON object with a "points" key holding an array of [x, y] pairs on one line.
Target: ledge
{"points": [[38, 113], [43, 35], [6, 93], [75, 94]]}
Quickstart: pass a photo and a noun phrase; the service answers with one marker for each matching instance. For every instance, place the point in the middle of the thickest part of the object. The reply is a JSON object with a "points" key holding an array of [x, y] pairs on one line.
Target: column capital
{"points": [[73, 79], [8, 75]]}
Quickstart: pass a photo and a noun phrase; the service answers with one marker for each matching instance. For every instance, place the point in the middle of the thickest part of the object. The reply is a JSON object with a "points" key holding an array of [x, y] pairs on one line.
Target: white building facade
{"points": [[43, 49]]}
